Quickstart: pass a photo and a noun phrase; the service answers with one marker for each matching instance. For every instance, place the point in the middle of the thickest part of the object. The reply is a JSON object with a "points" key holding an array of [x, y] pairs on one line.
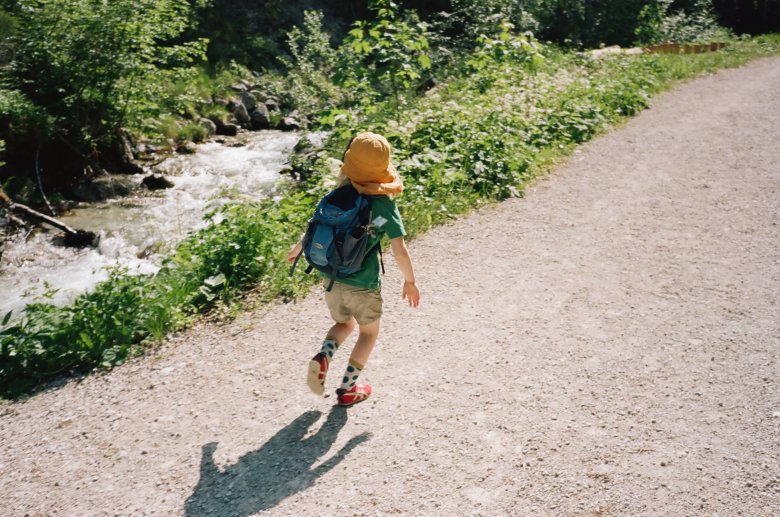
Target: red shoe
{"points": [[358, 393], [315, 377]]}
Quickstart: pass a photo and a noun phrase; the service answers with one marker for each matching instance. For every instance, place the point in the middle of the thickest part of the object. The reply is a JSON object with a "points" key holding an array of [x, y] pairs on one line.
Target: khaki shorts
{"points": [[345, 301]]}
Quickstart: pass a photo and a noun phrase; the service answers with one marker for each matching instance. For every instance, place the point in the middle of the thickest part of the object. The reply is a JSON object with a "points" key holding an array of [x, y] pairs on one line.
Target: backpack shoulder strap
{"points": [[295, 262], [378, 244]]}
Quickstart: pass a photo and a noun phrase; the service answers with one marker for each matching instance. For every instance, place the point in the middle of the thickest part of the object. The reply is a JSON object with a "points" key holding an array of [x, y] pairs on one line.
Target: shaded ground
{"points": [[607, 345]]}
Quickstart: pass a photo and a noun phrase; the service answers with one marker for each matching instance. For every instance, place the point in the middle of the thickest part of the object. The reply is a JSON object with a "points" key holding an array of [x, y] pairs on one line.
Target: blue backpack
{"points": [[336, 239]]}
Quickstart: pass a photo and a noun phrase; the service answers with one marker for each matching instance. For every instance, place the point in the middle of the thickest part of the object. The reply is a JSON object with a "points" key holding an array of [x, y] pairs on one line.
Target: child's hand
{"points": [[294, 251], [411, 294]]}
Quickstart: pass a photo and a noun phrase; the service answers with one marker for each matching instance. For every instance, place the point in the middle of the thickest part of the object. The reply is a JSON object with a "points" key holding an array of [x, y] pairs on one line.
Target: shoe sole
{"points": [[356, 402], [313, 378], [353, 403]]}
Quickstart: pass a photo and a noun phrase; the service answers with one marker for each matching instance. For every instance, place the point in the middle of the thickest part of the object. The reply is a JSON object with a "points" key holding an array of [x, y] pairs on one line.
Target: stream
{"points": [[136, 231]]}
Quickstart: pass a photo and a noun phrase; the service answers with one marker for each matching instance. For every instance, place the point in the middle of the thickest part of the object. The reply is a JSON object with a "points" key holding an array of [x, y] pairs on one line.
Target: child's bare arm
{"points": [[294, 251], [404, 261]]}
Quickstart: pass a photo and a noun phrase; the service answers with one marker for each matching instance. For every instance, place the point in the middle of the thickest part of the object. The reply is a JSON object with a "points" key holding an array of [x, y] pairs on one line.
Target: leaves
{"points": [[89, 65]]}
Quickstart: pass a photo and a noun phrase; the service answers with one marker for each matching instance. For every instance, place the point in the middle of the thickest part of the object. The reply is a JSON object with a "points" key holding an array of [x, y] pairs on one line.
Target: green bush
{"points": [[657, 25], [193, 132], [312, 65], [91, 66]]}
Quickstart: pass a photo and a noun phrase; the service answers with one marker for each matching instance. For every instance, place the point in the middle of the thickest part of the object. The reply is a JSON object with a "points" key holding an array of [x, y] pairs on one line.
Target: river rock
{"points": [[242, 115], [187, 147], [288, 124], [249, 101], [80, 239], [156, 182], [272, 104], [227, 129], [208, 125], [120, 158], [261, 119], [221, 101], [102, 187], [238, 87]]}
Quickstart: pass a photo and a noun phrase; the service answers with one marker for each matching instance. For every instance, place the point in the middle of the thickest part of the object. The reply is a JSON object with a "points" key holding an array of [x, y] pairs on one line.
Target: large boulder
{"points": [[227, 129], [121, 157], [241, 113], [102, 187], [249, 101], [261, 119], [225, 126]]}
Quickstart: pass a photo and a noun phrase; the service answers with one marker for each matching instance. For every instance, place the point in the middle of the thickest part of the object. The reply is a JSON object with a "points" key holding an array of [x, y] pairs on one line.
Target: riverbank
{"points": [[471, 141]]}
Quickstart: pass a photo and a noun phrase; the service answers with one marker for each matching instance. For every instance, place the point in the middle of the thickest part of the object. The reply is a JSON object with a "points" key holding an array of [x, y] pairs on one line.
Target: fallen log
{"points": [[73, 238]]}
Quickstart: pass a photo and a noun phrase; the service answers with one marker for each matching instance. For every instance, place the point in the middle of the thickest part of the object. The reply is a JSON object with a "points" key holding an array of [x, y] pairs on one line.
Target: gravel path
{"points": [[606, 346]]}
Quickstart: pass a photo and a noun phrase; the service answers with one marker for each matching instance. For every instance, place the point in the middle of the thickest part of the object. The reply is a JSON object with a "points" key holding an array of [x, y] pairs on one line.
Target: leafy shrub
{"points": [[656, 24], [506, 47], [193, 132], [312, 65], [20, 118], [89, 94], [386, 55]]}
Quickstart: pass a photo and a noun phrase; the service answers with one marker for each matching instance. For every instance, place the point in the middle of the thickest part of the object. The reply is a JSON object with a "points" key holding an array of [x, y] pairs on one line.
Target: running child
{"points": [[356, 299]]}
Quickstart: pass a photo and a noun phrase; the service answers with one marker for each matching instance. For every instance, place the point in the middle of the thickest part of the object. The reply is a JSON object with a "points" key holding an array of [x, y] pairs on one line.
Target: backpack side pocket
{"points": [[321, 244]]}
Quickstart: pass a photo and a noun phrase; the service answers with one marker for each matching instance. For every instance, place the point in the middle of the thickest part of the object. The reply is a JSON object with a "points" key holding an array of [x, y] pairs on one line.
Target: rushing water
{"points": [[137, 230]]}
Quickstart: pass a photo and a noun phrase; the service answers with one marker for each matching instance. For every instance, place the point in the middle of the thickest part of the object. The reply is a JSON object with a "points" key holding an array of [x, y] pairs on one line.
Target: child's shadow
{"points": [[263, 478]]}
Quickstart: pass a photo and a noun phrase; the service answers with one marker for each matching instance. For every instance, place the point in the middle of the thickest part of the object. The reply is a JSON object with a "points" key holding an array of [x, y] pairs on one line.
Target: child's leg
{"points": [[360, 354], [318, 366], [365, 342], [339, 332]]}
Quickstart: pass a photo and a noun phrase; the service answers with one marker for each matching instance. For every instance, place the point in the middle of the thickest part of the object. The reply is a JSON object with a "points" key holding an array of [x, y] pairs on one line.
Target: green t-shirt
{"points": [[386, 220]]}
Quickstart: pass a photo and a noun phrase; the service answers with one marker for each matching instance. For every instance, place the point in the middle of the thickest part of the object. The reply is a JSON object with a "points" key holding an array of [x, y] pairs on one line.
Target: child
{"points": [[356, 298]]}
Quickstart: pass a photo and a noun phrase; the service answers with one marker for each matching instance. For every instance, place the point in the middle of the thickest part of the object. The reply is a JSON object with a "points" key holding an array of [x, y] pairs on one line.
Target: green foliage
{"points": [[192, 132], [651, 20], [97, 330], [506, 48], [312, 65], [492, 53], [385, 55], [657, 24], [698, 25], [8, 27], [20, 118], [90, 64]]}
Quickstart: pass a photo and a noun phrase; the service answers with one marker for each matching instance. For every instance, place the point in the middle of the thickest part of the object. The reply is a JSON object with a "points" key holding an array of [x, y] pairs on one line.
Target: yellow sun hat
{"points": [[367, 164]]}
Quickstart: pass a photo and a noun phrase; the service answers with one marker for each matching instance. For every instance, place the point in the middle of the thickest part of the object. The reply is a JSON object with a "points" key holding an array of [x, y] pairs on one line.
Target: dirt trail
{"points": [[606, 346]]}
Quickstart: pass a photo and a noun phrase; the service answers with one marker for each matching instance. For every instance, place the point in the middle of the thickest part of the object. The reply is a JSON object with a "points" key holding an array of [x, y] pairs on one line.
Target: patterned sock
{"points": [[350, 376], [329, 347]]}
